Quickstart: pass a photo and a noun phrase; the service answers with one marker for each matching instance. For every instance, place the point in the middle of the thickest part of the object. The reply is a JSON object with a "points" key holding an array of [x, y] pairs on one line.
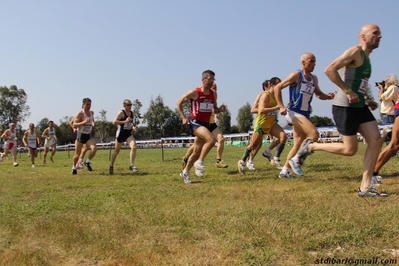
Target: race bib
{"points": [[363, 86], [128, 125], [206, 107], [307, 87], [274, 113], [86, 129]]}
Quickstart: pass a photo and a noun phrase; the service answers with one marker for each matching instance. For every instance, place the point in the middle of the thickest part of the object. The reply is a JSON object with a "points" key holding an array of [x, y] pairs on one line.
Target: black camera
{"points": [[382, 83]]}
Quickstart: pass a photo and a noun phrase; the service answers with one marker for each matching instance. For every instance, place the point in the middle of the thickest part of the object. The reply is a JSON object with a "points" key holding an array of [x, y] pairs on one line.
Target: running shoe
{"points": [[221, 164], [251, 166], [276, 163], [295, 166], [241, 167], [376, 180], [286, 175], [267, 154], [304, 151], [133, 169], [88, 165], [79, 166], [111, 170], [186, 177], [199, 169], [371, 192]]}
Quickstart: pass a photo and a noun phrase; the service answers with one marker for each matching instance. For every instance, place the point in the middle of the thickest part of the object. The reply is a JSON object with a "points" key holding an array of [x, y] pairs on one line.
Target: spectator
{"points": [[388, 96]]}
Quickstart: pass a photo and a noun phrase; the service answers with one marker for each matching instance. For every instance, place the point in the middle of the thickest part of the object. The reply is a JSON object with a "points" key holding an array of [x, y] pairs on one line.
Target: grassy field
{"points": [[49, 217]]}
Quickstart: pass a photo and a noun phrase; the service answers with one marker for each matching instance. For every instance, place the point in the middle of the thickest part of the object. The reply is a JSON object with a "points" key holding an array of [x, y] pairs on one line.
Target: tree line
{"points": [[158, 121]]}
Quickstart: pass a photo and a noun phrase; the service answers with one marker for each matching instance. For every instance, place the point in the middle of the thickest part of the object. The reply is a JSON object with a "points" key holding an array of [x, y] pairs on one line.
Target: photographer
{"points": [[388, 95]]}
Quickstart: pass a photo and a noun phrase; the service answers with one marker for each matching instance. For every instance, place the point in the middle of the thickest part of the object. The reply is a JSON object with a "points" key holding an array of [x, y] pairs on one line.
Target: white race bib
{"points": [[274, 113], [128, 125], [363, 85], [206, 107], [86, 129]]}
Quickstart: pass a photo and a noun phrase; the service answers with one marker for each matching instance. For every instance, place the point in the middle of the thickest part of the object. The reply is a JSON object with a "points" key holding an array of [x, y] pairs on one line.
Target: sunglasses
{"points": [[128, 104]]}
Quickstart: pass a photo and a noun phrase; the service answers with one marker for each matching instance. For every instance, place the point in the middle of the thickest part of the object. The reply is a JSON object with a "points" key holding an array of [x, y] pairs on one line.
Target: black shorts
{"points": [[194, 124], [348, 119], [83, 138], [122, 137], [212, 127]]}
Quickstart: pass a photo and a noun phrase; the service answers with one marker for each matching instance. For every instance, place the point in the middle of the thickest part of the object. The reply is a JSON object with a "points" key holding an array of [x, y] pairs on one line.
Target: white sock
{"points": [[284, 170]]}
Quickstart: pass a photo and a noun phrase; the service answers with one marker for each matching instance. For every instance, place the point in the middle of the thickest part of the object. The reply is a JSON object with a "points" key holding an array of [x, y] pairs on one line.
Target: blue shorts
{"points": [[194, 124]]}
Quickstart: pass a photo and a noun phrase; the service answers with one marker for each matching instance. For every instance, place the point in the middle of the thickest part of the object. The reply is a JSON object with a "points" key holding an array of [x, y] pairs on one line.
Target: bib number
{"points": [[273, 114], [128, 125], [206, 106], [86, 129], [363, 86]]}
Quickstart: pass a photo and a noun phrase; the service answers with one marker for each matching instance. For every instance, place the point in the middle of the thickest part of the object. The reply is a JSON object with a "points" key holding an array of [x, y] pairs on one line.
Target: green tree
{"points": [[141, 133], [225, 121], [173, 126], [234, 129], [244, 118], [320, 121], [102, 125], [156, 117], [64, 131], [136, 112], [13, 107], [20, 134], [42, 125]]}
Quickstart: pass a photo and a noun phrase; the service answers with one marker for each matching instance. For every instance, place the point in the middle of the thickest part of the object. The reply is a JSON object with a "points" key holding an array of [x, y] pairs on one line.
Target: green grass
{"points": [[49, 217]]}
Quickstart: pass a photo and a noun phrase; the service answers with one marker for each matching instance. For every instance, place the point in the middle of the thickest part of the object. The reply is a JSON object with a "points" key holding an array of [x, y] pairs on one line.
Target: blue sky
{"points": [[62, 51]]}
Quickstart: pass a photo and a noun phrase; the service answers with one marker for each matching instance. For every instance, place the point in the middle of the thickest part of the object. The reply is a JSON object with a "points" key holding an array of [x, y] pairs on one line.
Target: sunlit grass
{"points": [[50, 217]]}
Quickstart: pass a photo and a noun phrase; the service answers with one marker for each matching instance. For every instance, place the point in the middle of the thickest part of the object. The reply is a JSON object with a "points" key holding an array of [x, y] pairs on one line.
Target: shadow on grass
{"points": [[390, 175], [125, 174]]}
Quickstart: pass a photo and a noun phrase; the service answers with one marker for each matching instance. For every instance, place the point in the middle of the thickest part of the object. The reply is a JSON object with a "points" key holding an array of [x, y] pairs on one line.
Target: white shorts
{"points": [[49, 142], [290, 115]]}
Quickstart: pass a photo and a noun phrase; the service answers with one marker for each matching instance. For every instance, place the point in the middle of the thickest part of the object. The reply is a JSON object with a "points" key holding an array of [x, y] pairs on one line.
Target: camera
{"points": [[382, 83]]}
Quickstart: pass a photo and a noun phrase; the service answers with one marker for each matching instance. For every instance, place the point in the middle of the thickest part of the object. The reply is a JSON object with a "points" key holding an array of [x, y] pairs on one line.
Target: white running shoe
{"points": [[241, 167], [15, 164], [186, 177], [295, 166], [79, 166], [304, 150], [251, 166], [276, 163], [33, 165], [199, 169], [286, 175], [267, 154], [133, 169]]}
